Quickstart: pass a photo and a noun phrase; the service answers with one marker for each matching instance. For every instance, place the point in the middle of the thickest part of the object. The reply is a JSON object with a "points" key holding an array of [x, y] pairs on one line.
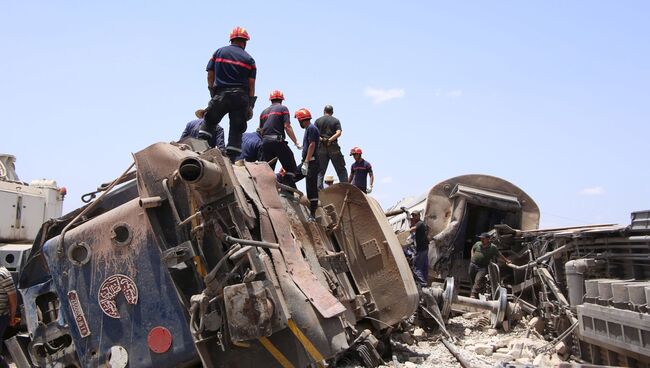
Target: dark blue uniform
{"points": [[421, 259], [360, 171], [192, 130], [251, 147], [233, 67], [311, 135], [272, 121]]}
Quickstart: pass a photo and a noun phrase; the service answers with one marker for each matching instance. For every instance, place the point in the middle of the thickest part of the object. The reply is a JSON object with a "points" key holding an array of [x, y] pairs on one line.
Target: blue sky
{"points": [[551, 95]]}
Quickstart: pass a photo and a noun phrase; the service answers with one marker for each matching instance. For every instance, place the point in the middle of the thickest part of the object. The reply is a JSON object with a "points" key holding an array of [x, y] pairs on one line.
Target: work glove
{"points": [[299, 146], [304, 167], [251, 106], [369, 190]]}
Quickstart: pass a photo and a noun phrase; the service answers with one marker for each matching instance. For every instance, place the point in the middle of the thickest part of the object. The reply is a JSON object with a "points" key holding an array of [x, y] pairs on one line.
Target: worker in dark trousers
{"points": [[251, 147], [330, 131], [192, 130], [421, 259], [483, 252], [360, 171], [231, 81], [274, 122], [309, 167]]}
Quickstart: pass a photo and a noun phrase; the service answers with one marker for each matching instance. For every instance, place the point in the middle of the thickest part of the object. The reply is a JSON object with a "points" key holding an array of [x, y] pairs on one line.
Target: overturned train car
{"points": [[191, 261], [458, 209], [591, 286]]}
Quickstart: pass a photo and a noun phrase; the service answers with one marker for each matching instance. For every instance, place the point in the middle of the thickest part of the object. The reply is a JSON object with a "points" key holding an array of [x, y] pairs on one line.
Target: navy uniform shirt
{"points": [[328, 125], [251, 147], [232, 66], [273, 119], [192, 130], [360, 171], [312, 134], [420, 236]]}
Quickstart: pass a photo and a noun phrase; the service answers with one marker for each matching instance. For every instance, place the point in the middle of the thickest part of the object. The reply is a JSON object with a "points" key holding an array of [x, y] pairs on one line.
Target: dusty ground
{"points": [[476, 342]]}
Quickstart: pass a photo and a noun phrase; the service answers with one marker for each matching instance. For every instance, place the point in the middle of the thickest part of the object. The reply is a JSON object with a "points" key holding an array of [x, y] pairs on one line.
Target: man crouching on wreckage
{"points": [[190, 261]]}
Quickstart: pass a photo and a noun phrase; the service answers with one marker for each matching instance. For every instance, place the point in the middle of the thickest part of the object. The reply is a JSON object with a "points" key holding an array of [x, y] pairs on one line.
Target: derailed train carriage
{"points": [[458, 209], [191, 261], [588, 286]]}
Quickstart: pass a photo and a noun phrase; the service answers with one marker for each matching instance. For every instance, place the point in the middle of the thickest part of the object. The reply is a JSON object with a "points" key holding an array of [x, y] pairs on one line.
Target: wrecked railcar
{"points": [[590, 285], [456, 210], [196, 262]]}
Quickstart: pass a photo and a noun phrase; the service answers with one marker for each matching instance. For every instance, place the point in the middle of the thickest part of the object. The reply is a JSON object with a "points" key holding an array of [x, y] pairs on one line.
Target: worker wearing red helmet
{"points": [[309, 167], [360, 171], [274, 123], [231, 81]]}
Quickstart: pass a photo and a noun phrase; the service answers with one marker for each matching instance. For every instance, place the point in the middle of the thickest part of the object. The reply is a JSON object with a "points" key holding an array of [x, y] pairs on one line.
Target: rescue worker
{"points": [[309, 166], [251, 146], [421, 259], [8, 304], [274, 122], [329, 180], [231, 81], [330, 131], [192, 130], [360, 171], [483, 252]]}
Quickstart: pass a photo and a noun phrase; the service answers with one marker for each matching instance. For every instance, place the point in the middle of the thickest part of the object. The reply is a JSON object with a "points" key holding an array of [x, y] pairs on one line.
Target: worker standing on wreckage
{"points": [[421, 260], [231, 81], [330, 130], [309, 168], [274, 122], [360, 171], [483, 252]]}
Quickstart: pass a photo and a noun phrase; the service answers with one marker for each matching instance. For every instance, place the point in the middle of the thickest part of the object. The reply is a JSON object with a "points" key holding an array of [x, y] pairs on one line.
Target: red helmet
{"points": [[302, 114], [239, 32], [356, 150], [276, 95]]}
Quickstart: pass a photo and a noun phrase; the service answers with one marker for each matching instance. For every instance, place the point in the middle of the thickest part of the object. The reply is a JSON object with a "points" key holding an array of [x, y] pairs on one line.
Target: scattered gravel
{"points": [[481, 345]]}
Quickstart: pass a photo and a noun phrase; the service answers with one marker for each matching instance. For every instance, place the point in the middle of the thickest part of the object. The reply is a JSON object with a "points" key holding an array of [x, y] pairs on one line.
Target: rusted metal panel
{"points": [[249, 311], [298, 268], [374, 254]]}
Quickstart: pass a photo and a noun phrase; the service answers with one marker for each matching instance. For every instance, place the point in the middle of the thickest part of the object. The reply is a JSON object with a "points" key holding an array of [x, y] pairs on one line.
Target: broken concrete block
{"points": [[560, 348], [502, 357], [536, 324], [416, 360], [523, 361], [556, 359], [467, 332], [542, 360], [419, 333], [492, 332], [410, 365], [503, 350], [484, 349]]}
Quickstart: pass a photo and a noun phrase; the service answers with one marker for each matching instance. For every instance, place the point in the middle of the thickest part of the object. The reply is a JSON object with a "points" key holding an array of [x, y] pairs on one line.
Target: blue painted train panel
{"points": [[120, 293]]}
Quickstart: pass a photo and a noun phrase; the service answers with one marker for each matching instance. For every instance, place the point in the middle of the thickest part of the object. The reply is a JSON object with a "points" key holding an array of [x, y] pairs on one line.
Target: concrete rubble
{"points": [[481, 347]]}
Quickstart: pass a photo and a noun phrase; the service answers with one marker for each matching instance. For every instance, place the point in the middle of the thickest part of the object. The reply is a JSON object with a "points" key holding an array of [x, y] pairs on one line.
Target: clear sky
{"points": [[553, 96]]}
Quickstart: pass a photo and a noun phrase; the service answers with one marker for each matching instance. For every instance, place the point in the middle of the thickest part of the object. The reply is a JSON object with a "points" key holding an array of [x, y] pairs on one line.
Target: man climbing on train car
{"points": [[309, 168], [274, 122], [483, 252]]}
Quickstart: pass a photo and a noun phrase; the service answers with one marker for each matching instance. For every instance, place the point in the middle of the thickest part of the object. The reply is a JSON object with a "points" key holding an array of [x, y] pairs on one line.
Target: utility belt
{"points": [[272, 138], [229, 90]]}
